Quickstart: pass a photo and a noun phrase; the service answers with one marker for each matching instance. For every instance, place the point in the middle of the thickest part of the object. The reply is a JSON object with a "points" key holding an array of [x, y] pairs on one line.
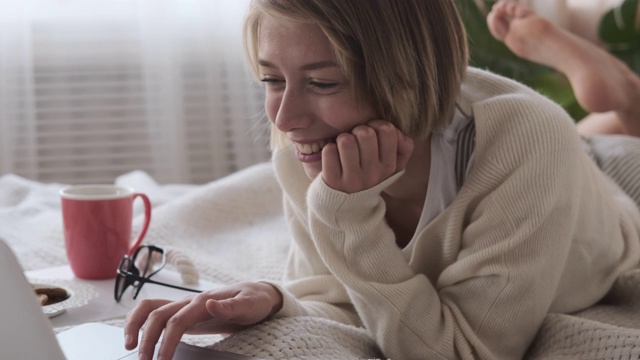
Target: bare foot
{"points": [[601, 82], [607, 123]]}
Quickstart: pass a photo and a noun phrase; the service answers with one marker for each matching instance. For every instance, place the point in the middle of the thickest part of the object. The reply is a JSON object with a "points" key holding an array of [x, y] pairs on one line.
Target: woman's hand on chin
{"points": [[366, 156]]}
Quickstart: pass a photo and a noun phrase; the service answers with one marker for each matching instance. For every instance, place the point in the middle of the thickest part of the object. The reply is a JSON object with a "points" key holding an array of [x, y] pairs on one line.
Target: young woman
{"points": [[444, 208]]}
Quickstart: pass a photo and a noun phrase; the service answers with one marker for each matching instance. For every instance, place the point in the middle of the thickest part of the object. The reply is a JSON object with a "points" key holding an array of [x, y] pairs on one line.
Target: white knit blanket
{"points": [[233, 230]]}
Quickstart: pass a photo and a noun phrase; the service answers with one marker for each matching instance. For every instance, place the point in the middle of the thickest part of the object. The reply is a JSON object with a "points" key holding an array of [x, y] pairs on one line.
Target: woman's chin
{"points": [[312, 169]]}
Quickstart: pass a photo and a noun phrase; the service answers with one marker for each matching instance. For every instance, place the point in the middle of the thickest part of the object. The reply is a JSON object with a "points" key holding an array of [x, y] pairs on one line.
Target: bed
{"points": [[233, 230]]}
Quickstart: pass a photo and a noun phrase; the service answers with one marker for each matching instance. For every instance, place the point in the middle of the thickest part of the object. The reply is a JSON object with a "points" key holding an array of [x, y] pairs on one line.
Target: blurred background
{"points": [[92, 89]]}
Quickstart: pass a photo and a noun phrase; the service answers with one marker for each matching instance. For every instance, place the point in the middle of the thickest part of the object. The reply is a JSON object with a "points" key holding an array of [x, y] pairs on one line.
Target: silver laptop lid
{"points": [[25, 331]]}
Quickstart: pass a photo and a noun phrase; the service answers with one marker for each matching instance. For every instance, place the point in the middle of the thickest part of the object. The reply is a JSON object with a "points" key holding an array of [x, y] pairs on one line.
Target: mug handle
{"points": [[147, 220]]}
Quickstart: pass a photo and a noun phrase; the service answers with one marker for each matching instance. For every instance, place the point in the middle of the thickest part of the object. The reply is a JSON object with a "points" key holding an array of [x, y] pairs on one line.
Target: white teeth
{"points": [[310, 148]]}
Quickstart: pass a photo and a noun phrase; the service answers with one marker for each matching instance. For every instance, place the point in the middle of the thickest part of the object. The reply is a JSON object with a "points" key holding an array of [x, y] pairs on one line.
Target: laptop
{"points": [[27, 333]]}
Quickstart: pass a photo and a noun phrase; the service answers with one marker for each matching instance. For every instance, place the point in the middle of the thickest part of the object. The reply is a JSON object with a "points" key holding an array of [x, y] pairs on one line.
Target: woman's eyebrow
{"points": [[318, 65], [307, 67]]}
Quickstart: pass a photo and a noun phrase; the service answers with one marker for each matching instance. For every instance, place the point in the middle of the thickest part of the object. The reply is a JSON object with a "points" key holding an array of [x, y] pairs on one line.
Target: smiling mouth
{"points": [[311, 148]]}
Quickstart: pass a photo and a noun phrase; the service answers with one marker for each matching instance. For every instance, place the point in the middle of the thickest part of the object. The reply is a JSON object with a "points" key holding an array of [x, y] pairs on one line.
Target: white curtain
{"points": [[92, 89]]}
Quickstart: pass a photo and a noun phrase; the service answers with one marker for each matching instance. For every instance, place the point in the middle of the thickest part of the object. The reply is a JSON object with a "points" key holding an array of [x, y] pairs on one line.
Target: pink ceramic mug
{"points": [[97, 222]]}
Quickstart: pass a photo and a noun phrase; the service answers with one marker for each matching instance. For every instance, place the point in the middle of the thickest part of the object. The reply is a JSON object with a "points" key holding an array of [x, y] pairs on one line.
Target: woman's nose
{"points": [[293, 112]]}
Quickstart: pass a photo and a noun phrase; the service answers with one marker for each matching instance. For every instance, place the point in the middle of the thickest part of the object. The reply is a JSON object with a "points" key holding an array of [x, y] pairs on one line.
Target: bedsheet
{"points": [[233, 230]]}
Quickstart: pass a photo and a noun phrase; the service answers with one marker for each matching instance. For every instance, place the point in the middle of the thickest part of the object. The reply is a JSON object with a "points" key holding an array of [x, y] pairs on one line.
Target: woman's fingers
{"points": [[331, 166], [178, 324], [366, 156], [349, 155], [367, 141], [137, 318], [387, 142], [244, 309], [155, 315], [236, 311]]}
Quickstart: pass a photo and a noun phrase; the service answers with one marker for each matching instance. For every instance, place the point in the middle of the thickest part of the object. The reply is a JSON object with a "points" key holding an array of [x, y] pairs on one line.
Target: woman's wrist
{"points": [[276, 299]]}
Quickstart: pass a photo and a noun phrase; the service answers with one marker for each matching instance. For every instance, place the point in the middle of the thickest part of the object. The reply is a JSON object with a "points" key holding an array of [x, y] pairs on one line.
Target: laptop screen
{"points": [[25, 331]]}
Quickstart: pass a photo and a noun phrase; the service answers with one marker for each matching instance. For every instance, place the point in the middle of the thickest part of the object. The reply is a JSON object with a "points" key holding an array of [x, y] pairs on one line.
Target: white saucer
{"points": [[79, 294]]}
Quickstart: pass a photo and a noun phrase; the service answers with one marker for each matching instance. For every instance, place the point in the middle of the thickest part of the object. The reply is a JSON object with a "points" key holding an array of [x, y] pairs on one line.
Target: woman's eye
{"points": [[268, 81], [323, 85], [319, 86]]}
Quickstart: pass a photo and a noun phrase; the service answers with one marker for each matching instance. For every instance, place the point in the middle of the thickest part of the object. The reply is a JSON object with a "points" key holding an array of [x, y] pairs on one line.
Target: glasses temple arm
{"points": [[172, 286], [147, 280]]}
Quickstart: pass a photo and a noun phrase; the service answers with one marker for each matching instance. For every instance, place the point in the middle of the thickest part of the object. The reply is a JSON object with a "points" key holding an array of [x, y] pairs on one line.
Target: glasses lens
{"points": [[122, 283], [149, 260]]}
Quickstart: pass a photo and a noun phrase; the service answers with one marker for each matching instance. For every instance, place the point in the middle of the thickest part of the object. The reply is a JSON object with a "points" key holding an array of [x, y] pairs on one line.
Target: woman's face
{"points": [[307, 95]]}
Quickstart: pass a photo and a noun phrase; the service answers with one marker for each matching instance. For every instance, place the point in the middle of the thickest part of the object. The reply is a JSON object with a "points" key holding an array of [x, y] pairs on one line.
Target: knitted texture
{"points": [[302, 338]]}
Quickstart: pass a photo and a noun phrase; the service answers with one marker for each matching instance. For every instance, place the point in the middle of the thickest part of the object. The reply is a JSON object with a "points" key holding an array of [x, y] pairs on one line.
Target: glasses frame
{"points": [[130, 274]]}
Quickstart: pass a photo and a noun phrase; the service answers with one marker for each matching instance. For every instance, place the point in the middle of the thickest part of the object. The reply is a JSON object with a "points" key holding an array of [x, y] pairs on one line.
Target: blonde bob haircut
{"points": [[407, 58]]}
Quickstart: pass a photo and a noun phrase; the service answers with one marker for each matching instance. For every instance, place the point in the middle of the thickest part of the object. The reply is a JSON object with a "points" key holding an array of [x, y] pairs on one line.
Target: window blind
{"points": [[94, 99]]}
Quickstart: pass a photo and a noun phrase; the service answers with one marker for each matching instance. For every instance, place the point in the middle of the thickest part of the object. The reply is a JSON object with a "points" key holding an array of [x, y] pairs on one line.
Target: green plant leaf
{"points": [[556, 86], [619, 27], [619, 30]]}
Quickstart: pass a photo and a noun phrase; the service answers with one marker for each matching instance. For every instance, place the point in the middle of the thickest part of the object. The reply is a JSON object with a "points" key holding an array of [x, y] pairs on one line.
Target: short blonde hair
{"points": [[406, 57]]}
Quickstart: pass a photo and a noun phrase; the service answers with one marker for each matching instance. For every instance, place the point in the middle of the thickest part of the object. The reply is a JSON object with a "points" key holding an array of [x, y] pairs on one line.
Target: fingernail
{"points": [[141, 356], [127, 339]]}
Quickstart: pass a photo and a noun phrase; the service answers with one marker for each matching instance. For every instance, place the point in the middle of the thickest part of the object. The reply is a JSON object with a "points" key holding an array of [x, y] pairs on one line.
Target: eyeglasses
{"points": [[129, 274]]}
